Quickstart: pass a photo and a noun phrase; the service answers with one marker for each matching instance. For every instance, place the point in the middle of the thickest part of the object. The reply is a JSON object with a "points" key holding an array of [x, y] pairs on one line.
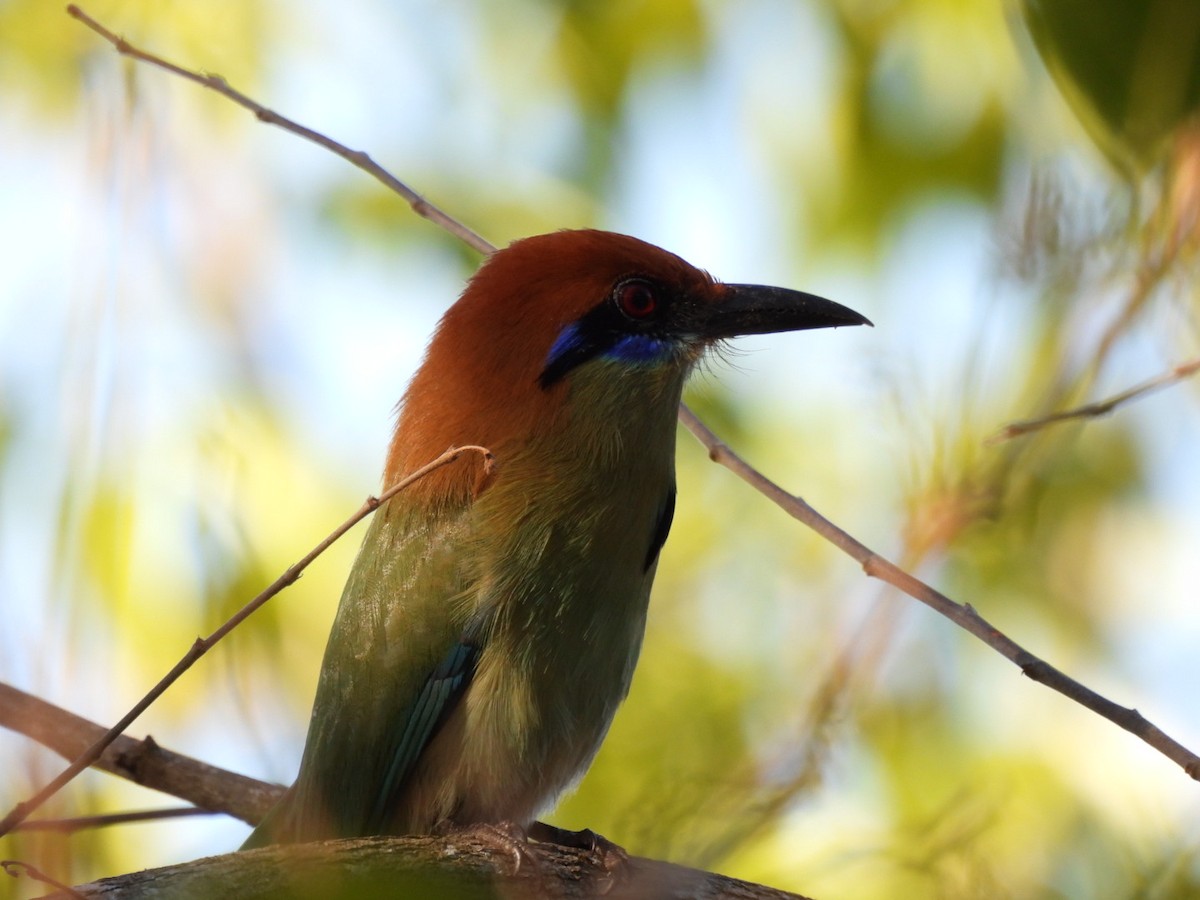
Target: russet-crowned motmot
{"points": [[491, 623]]}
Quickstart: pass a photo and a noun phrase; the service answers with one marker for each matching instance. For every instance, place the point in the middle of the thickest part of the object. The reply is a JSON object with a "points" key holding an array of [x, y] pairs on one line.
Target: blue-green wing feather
{"points": [[441, 691]]}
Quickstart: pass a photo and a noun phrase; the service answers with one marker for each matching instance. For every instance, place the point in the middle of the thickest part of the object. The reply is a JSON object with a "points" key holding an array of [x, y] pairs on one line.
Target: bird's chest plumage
{"points": [[564, 558], [566, 588]]}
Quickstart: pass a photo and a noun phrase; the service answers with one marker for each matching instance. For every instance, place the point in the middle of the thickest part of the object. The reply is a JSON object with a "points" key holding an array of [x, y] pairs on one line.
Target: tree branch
{"points": [[143, 762], [454, 866]]}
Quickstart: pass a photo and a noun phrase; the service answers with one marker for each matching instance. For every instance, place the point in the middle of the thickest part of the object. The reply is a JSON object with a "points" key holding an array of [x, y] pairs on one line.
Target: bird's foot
{"points": [[506, 837], [612, 857]]}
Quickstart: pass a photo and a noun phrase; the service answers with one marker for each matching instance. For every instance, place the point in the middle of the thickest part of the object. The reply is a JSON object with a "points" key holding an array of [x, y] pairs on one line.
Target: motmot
{"points": [[492, 620]]}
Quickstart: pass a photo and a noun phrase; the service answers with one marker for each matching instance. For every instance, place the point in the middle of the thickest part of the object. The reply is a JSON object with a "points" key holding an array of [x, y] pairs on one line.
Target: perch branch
{"points": [[454, 865], [560, 871]]}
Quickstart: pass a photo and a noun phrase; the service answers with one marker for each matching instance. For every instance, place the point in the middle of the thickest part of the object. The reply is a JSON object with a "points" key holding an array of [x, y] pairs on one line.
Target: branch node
{"points": [[13, 866]]}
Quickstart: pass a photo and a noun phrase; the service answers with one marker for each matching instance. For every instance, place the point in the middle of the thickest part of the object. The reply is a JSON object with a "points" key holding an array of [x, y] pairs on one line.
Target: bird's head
{"points": [[577, 317]]}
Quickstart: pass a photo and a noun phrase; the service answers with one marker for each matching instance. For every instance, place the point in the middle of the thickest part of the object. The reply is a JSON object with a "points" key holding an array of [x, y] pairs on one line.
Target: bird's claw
{"points": [[506, 837]]}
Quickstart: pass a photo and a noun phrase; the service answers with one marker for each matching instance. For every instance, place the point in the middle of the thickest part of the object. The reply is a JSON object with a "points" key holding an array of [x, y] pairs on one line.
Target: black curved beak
{"points": [[758, 309]]}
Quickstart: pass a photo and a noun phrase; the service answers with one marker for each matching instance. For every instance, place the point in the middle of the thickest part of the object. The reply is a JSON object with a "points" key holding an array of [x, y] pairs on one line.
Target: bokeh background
{"points": [[205, 324]]}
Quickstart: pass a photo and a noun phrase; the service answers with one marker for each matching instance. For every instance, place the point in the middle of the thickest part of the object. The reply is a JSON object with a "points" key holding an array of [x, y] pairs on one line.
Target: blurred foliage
{"points": [[204, 327], [44, 51], [601, 46], [918, 108], [1131, 71]]}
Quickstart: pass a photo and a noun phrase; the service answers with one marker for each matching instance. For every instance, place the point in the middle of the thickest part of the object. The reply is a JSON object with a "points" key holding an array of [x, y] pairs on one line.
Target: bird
{"points": [[492, 620]]}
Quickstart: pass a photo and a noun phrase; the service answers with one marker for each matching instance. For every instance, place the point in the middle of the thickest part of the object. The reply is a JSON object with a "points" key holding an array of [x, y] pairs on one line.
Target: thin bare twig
{"points": [[16, 868], [1101, 407], [82, 823], [419, 204], [962, 615], [202, 645]]}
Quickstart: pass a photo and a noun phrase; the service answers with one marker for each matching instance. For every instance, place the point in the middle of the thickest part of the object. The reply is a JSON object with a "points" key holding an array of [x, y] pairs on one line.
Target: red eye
{"points": [[636, 299]]}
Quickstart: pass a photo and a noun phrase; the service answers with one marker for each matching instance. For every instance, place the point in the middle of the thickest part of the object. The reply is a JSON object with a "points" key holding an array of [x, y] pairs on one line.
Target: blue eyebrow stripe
{"points": [[568, 340]]}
